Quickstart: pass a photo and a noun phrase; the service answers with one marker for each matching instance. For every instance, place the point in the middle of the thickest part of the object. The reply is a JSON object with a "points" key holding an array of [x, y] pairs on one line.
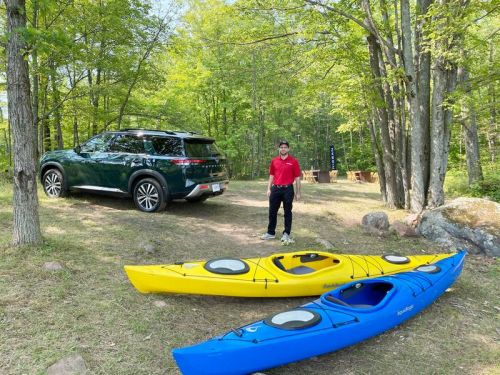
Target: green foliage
{"points": [[242, 72], [456, 184]]}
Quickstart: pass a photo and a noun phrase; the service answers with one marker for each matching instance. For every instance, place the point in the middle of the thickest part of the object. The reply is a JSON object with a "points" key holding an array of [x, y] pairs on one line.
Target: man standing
{"points": [[284, 171]]}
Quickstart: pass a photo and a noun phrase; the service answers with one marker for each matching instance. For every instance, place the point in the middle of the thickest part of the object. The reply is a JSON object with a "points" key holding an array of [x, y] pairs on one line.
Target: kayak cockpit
{"points": [[304, 263], [365, 295]]}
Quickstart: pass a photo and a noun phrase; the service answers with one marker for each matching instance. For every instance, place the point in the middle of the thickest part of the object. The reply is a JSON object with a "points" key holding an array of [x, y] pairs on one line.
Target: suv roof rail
{"points": [[147, 130]]}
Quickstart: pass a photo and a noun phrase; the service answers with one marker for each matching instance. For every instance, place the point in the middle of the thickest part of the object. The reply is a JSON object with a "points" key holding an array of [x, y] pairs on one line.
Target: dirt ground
{"points": [[90, 308]]}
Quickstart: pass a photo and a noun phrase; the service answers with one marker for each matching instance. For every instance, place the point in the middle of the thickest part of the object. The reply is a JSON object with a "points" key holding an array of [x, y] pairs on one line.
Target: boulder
{"points": [[375, 222], [470, 223], [72, 365]]}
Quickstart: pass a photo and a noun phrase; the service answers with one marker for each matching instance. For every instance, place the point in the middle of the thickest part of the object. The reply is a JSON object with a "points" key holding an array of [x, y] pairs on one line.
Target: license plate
{"points": [[216, 187]]}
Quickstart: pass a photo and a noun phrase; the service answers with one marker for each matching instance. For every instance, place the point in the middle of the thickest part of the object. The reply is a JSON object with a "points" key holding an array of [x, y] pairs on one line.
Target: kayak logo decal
{"points": [[405, 310], [329, 286]]}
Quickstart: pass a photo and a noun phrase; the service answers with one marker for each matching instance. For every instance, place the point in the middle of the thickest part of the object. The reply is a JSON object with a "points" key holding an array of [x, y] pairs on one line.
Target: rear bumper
{"points": [[212, 188]]}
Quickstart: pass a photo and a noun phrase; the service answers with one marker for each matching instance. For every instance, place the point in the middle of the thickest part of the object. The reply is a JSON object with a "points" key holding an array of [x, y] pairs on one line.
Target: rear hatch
{"points": [[206, 161]]}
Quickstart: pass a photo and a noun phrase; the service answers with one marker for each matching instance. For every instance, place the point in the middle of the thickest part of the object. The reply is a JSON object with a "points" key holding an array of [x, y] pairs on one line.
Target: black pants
{"points": [[277, 196]]}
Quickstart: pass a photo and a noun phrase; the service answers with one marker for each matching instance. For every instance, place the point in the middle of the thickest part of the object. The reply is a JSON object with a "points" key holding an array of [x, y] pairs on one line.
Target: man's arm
{"points": [[269, 184], [297, 188]]}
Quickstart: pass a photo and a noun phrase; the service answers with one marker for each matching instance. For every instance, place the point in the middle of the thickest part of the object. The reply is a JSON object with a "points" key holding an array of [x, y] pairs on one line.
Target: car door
{"points": [[84, 169], [125, 155]]}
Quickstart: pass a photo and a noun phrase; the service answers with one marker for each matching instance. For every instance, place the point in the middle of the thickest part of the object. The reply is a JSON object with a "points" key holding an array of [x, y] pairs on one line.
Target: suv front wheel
{"points": [[53, 183], [149, 196]]}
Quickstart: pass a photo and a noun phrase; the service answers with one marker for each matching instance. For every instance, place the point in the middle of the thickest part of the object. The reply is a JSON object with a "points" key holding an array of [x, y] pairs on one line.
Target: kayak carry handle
{"points": [[237, 331]]}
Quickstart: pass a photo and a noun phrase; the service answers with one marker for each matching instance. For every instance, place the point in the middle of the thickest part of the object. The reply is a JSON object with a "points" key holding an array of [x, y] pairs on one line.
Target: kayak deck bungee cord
{"points": [[302, 273]]}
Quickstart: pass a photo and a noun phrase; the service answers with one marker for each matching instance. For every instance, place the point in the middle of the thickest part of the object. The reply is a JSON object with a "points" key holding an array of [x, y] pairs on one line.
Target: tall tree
{"points": [[25, 201]]}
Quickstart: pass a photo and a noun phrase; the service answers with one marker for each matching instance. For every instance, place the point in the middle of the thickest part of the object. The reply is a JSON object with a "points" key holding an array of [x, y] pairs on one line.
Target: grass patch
{"points": [[90, 308]]}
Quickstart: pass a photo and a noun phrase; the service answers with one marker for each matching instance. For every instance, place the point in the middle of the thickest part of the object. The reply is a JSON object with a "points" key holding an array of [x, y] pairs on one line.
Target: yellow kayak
{"points": [[301, 273]]}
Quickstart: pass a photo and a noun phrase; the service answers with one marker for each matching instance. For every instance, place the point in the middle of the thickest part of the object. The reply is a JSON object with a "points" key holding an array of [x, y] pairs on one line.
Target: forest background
{"points": [[248, 73]]}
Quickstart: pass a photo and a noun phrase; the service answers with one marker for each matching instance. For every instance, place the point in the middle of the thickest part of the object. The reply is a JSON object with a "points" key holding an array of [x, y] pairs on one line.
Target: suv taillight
{"points": [[188, 161]]}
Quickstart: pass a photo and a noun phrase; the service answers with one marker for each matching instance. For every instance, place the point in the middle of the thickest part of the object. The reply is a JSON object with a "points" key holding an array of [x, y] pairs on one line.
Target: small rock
{"points": [[412, 220], [327, 244], [160, 304], [375, 220], [150, 248], [403, 229], [71, 365], [52, 266]]}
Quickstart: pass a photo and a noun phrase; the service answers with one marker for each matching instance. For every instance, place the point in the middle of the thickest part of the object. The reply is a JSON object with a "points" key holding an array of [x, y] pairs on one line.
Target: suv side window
{"points": [[97, 144], [168, 146], [198, 148], [128, 144]]}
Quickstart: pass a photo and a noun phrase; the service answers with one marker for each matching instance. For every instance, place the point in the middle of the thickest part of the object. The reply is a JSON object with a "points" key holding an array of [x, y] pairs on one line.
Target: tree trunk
{"points": [[469, 129], [45, 133], [387, 152], [492, 133], [378, 158], [56, 98], [36, 77], [418, 157], [444, 83], [26, 226], [423, 72]]}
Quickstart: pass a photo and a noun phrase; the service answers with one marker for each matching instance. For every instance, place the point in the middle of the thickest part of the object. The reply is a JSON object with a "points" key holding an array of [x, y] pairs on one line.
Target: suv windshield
{"points": [[198, 148]]}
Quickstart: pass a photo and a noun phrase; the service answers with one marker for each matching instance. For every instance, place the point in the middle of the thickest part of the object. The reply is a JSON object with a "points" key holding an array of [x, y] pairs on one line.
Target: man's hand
{"points": [[268, 192], [297, 196]]}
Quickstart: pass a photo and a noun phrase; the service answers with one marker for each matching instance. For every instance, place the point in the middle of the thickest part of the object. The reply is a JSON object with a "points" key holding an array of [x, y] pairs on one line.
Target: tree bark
{"points": [[36, 78], [26, 228], [444, 83], [418, 157], [469, 129], [492, 133], [378, 158], [423, 71], [56, 98], [387, 151]]}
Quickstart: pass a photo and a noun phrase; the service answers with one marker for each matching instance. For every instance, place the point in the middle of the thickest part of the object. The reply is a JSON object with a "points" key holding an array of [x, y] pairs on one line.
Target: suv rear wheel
{"points": [[53, 183], [149, 196]]}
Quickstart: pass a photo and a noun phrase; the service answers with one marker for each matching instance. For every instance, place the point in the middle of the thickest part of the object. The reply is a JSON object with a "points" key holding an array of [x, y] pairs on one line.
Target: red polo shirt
{"points": [[284, 170]]}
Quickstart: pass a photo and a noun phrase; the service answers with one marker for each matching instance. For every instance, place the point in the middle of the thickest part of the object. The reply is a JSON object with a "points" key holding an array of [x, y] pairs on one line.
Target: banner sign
{"points": [[333, 161]]}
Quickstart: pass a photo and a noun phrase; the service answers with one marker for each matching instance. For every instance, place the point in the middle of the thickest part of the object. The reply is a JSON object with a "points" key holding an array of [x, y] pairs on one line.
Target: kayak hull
{"points": [[263, 344], [271, 276]]}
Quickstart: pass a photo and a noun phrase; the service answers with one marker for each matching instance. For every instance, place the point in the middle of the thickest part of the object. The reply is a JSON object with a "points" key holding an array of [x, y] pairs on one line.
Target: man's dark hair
{"points": [[283, 142]]}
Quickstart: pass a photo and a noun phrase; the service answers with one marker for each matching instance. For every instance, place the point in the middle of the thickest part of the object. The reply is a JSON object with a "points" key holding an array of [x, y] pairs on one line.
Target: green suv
{"points": [[152, 166]]}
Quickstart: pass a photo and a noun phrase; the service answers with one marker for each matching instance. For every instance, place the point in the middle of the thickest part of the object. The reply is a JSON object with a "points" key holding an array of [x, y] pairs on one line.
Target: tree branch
{"points": [[271, 37]]}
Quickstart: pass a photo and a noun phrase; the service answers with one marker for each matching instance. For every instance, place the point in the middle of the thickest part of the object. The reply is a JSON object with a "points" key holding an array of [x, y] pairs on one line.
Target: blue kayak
{"points": [[339, 318]]}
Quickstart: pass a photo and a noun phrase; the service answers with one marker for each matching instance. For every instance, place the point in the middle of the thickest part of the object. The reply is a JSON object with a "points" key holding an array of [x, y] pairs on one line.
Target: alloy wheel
{"points": [[53, 185], [147, 196]]}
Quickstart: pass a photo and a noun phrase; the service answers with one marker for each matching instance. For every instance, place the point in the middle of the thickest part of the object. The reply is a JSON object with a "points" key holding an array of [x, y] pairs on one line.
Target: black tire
{"points": [[53, 183], [149, 195], [203, 198]]}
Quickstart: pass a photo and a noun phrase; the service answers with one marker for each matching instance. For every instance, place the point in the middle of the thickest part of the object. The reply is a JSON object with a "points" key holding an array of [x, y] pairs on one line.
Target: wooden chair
{"points": [[308, 176], [333, 176]]}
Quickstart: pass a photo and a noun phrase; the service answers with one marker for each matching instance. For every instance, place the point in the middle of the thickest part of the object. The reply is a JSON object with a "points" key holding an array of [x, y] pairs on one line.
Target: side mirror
{"points": [[77, 149]]}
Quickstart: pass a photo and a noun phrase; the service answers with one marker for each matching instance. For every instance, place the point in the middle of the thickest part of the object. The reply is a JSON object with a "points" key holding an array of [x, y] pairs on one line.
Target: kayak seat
{"points": [[300, 270]]}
